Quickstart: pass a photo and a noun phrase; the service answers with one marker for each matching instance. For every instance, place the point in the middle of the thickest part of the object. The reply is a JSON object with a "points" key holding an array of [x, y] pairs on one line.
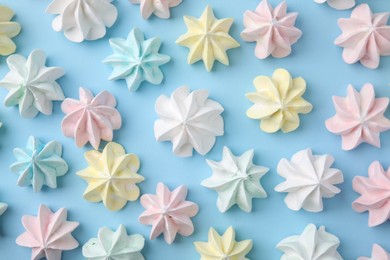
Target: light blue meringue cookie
{"points": [[136, 59], [114, 245], [39, 164]]}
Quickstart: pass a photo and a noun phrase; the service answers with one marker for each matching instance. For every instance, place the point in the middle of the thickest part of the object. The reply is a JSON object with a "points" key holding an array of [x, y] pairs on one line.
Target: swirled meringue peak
{"points": [[338, 4], [374, 194], [157, 7], [312, 244], [82, 19], [31, 85], [236, 179], [278, 101], [136, 59], [378, 253], [309, 178], [90, 119], [189, 120], [365, 36], [8, 30], [359, 117], [272, 29]]}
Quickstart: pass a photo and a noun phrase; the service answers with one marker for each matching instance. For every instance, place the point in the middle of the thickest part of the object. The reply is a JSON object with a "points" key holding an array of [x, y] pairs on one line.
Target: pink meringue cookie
{"points": [[168, 212], [90, 119], [272, 29], [365, 36], [378, 253], [359, 117], [375, 194]]}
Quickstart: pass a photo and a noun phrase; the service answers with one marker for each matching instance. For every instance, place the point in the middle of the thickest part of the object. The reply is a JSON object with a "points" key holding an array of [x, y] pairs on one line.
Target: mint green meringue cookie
{"points": [[114, 245], [136, 60]]}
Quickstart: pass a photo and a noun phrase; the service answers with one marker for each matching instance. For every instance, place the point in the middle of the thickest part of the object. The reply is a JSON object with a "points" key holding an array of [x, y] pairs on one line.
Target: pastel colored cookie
{"points": [[157, 7], [8, 30]]}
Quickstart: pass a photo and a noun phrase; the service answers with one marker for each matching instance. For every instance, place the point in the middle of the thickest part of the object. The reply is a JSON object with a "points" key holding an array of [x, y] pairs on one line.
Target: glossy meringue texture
{"points": [[273, 30], [82, 19], [359, 117], [278, 101], [168, 212], [207, 39], [90, 119], [31, 85], [111, 176], [236, 180], [39, 164], [160, 8], [110, 245], [312, 244], [48, 234], [365, 36], [309, 178], [136, 59], [223, 247], [374, 194], [378, 253], [338, 4], [8, 30], [190, 120]]}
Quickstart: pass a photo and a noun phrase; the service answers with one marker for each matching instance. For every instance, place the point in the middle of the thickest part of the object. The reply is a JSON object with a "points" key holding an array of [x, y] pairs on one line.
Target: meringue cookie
{"points": [[223, 247], [278, 101], [378, 253], [374, 194], [48, 234], [365, 36], [31, 84], [156, 7], [208, 39], [309, 178], [359, 117], [116, 245], [189, 120], [82, 19], [338, 4], [136, 59], [236, 179], [3, 208], [273, 30], [39, 164], [312, 244], [111, 176], [90, 119], [8, 30], [168, 212]]}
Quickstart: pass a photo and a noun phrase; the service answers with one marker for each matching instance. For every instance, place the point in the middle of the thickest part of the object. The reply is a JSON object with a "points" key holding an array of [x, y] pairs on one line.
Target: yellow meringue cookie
{"points": [[278, 101], [207, 38], [112, 176], [8, 30]]}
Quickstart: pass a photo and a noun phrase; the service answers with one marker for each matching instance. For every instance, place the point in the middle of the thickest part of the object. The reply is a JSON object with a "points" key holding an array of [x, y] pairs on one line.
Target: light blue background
{"points": [[314, 57]]}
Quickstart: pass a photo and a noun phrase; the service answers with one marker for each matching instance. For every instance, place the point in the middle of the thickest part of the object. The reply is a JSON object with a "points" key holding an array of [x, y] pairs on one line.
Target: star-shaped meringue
{"points": [[39, 164], [378, 253], [365, 36], [90, 119], [136, 59], [208, 39], [273, 30], [116, 245], [159, 8], [31, 84], [359, 117], [278, 101], [168, 212], [8, 30], [374, 194], [48, 234], [189, 120], [338, 4], [223, 247], [309, 178], [111, 176], [236, 179]]}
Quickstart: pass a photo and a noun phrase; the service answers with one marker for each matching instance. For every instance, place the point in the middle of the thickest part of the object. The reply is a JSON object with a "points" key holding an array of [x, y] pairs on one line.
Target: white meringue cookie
{"points": [[309, 178], [82, 19]]}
